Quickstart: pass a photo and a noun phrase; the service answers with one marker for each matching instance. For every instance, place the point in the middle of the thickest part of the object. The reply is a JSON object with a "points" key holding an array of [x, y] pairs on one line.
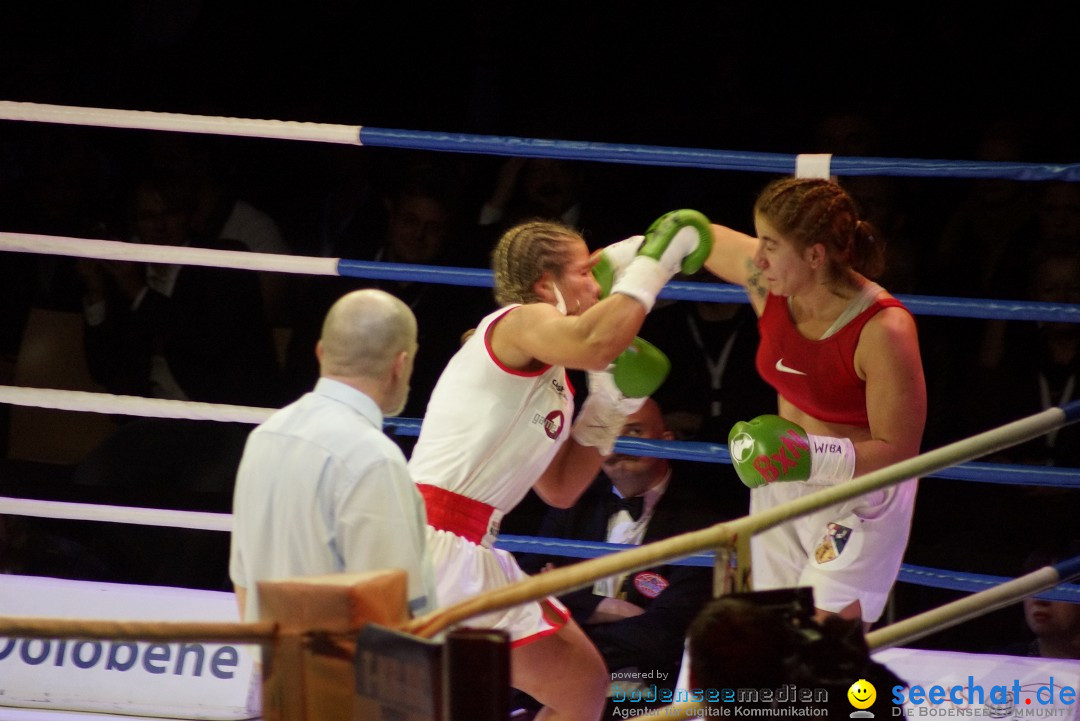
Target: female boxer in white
{"points": [[843, 356], [499, 422]]}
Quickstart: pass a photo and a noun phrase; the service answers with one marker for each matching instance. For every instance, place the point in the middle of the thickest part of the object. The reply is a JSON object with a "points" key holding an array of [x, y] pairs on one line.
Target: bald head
{"points": [[363, 334]]}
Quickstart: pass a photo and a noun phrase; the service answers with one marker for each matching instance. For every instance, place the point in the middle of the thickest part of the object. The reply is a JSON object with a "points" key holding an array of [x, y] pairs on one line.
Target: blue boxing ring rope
{"points": [[628, 154]]}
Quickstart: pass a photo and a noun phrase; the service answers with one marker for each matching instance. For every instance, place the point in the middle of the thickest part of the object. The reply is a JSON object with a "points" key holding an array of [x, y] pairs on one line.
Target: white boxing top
{"points": [[490, 431]]}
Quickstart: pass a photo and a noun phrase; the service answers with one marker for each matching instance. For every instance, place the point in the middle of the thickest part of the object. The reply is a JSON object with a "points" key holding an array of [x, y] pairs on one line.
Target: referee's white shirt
{"points": [[321, 489]]}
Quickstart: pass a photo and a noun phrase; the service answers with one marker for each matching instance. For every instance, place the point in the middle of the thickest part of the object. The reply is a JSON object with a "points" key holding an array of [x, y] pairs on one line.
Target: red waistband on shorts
{"points": [[473, 520]]}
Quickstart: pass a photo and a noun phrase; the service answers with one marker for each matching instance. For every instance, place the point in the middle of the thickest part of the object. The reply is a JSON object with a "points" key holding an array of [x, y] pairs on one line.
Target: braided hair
{"points": [[814, 210], [524, 253]]}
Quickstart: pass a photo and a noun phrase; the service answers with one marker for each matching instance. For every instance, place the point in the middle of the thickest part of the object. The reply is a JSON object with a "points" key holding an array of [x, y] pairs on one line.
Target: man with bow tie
{"points": [[638, 621]]}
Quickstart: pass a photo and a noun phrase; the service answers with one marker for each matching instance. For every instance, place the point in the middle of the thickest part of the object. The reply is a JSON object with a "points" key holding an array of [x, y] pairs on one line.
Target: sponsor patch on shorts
{"points": [[831, 547]]}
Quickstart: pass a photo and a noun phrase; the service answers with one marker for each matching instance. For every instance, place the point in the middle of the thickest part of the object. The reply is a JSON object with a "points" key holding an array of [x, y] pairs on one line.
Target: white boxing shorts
{"points": [[460, 533], [848, 552]]}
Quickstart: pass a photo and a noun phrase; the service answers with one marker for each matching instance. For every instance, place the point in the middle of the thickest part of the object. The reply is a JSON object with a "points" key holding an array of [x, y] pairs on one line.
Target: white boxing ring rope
{"points": [[62, 510], [177, 122], [162, 408], [313, 265], [528, 147], [977, 604], [88, 401], [737, 533], [734, 533], [119, 250]]}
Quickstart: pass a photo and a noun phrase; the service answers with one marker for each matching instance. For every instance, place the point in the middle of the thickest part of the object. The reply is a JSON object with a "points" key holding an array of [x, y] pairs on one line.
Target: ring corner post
{"points": [[309, 673]]}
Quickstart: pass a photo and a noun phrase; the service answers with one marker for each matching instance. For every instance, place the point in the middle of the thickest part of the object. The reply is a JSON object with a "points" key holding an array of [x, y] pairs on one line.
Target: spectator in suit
{"points": [[171, 331], [564, 191], [219, 209], [531, 188], [638, 622], [177, 332], [422, 227]]}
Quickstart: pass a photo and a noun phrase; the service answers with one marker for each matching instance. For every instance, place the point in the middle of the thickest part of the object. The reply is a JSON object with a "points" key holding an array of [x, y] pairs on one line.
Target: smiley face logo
{"points": [[862, 694]]}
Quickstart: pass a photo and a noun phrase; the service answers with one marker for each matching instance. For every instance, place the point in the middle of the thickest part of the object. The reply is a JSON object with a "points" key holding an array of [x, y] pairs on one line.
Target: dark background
{"points": [[749, 75], [754, 76]]}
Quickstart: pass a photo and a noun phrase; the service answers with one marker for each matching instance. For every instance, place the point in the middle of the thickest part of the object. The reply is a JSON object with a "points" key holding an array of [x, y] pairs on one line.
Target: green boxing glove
{"points": [[612, 261], [618, 391], [640, 369], [770, 449], [679, 241], [667, 228]]}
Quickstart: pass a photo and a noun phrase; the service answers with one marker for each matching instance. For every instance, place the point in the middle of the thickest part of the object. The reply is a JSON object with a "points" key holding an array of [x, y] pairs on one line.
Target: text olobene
{"points": [[155, 658]]}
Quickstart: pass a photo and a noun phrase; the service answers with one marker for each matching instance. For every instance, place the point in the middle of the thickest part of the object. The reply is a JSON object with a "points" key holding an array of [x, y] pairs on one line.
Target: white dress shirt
{"points": [[624, 529], [321, 489]]}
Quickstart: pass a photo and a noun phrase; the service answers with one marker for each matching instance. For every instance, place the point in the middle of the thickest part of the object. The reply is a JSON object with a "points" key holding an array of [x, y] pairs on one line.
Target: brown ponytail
{"points": [[868, 250]]}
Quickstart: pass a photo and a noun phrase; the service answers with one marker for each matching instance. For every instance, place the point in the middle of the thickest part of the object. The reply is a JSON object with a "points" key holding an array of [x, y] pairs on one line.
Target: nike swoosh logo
{"points": [[784, 369]]}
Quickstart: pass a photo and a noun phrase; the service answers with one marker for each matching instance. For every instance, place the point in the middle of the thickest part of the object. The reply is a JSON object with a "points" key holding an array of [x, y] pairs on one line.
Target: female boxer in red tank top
{"points": [[843, 356]]}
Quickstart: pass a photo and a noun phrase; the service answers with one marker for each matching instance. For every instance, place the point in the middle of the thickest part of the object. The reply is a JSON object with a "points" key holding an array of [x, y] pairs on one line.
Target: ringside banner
{"points": [[952, 685], [170, 680]]}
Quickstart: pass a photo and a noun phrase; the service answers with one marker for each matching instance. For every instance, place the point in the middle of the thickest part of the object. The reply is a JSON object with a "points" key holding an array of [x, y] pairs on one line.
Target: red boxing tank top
{"points": [[817, 376]]}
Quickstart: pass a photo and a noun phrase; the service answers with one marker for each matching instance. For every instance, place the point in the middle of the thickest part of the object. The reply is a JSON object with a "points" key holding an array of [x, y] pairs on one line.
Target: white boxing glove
{"points": [[604, 412], [613, 261], [679, 241]]}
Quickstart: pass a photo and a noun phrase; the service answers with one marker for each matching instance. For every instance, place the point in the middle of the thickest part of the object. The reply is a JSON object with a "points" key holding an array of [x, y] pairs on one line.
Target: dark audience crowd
{"points": [[247, 338]]}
